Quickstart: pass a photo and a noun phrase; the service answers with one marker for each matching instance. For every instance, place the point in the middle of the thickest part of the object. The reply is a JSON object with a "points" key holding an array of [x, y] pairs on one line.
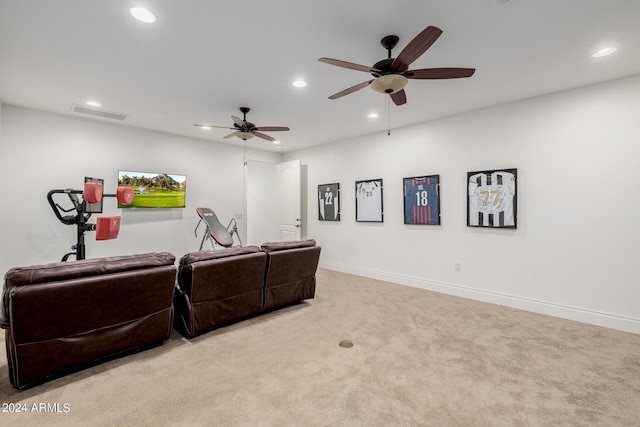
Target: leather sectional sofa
{"points": [[65, 316]]}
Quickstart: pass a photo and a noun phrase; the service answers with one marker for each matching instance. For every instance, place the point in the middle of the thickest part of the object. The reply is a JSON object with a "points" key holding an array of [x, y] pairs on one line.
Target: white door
{"points": [[289, 200], [261, 215]]}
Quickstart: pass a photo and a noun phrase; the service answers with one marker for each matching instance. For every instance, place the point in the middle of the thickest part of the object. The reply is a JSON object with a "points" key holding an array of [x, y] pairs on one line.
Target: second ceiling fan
{"points": [[391, 74], [244, 129]]}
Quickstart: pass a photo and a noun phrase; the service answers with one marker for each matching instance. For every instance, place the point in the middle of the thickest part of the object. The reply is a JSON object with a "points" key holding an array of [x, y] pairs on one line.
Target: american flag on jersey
{"points": [[422, 200], [492, 199]]}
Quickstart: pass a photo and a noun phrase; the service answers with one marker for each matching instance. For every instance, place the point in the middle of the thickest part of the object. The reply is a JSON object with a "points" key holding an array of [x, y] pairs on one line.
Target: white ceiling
{"points": [[203, 59]]}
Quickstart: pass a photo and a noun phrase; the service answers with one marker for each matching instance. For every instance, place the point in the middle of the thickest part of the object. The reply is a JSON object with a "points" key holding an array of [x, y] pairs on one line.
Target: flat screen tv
{"points": [[154, 190]]}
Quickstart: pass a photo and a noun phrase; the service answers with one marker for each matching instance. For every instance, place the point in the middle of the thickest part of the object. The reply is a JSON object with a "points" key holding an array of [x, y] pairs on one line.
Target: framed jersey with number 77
{"points": [[329, 202], [492, 198], [422, 200]]}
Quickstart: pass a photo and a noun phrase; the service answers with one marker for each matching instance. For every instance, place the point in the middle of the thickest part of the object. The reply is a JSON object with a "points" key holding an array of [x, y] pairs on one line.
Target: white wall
{"points": [[574, 253], [41, 151]]}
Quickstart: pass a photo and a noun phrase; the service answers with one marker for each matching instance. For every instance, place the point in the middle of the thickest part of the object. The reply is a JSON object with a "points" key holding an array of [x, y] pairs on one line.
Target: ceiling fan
{"points": [[391, 75], [247, 130]]}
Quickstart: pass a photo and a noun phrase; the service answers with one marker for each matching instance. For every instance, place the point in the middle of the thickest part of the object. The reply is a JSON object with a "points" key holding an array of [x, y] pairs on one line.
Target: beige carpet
{"points": [[418, 359]]}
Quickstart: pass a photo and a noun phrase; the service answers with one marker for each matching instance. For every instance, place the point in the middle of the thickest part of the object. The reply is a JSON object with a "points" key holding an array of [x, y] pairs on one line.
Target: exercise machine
{"points": [[106, 228], [215, 232]]}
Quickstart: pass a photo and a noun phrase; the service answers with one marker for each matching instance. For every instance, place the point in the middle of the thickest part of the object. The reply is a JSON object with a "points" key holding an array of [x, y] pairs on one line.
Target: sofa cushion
{"points": [[192, 257], [218, 287], [292, 244], [82, 269], [21, 276]]}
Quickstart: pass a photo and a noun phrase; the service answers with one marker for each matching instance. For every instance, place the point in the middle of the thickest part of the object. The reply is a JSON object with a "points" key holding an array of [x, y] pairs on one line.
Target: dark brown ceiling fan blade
{"points": [[271, 128], [350, 90], [231, 135], [349, 65], [212, 126], [439, 73], [264, 136], [238, 121], [416, 47], [399, 97]]}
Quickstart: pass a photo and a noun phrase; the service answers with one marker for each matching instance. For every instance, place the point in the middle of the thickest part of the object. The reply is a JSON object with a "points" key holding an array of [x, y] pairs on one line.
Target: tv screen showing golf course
{"points": [[154, 190]]}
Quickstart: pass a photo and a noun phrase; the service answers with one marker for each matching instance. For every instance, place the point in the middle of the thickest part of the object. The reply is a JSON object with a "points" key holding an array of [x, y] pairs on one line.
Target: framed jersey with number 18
{"points": [[422, 200]]}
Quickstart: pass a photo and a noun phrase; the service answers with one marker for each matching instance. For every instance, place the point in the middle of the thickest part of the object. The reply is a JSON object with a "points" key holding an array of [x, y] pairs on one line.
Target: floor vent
{"points": [[98, 113], [345, 344]]}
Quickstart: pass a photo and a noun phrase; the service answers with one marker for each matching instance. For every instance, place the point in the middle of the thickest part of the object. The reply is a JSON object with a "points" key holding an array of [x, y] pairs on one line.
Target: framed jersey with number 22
{"points": [[329, 202], [422, 200]]}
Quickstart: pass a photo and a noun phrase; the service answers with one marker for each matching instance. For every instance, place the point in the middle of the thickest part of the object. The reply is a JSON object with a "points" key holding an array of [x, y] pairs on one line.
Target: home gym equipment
{"points": [[216, 232], [106, 228]]}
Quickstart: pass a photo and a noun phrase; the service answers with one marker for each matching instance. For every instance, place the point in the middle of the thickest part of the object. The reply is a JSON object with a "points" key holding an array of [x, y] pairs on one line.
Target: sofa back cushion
{"points": [[219, 287], [21, 276], [291, 272], [64, 299], [220, 272], [283, 246]]}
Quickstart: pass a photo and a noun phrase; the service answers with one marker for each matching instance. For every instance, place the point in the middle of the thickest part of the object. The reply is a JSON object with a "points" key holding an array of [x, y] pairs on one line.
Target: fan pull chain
{"points": [[388, 105]]}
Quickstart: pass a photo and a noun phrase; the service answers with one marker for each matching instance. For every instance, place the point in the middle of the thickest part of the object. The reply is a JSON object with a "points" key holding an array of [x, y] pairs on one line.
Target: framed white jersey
{"points": [[369, 201], [492, 198], [329, 202], [422, 200]]}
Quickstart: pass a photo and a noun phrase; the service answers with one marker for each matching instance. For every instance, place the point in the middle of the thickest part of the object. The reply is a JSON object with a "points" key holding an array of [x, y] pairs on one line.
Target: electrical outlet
{"points": [[238, 215], [457, 266]]}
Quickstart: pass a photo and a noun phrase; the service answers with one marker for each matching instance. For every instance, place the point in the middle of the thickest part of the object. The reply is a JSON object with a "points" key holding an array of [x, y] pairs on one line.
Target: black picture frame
{"points": [[329, 202], [421, 196], [492, 197], [369, 197]]}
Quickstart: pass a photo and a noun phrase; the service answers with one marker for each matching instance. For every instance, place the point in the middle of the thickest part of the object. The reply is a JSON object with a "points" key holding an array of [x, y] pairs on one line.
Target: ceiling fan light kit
{"points": [[244, 135], [390, 83]]}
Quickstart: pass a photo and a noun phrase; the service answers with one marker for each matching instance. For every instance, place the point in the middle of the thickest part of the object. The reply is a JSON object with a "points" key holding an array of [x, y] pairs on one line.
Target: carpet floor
{"points": [[418, 358]]}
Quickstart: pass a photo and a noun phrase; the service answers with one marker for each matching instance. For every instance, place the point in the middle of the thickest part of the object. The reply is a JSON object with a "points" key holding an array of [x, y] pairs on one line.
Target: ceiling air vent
{"points": [[98, 113]]}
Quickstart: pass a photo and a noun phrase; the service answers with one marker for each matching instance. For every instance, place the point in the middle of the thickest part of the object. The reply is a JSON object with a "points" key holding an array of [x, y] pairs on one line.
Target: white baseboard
{"points": [[607, 320]]}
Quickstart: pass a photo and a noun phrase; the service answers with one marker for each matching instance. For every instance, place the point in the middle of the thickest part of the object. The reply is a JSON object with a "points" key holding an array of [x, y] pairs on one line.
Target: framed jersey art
{"points": [[491, 198], [422, 200], [329, 202], [369, 201]]}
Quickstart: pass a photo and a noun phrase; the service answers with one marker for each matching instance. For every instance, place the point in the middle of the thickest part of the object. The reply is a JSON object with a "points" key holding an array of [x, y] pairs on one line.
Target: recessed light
{"points": [[142, 14], [299, 83], [373, 115], [604, 52], [276, 142], [93, 104], [205, 127]]}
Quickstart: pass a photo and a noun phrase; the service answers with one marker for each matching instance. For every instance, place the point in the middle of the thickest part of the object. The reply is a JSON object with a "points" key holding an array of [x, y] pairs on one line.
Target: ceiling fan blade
{"points": [[264, 136], [232, 134], [349, 65], [238, 121], [399, 98], [416, 47], [350, 90], [271, 128], [439, 73], [212, 126]]}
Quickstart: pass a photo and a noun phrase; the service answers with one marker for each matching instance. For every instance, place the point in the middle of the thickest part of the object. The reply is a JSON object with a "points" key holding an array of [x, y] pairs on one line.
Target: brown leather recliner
{"points": [[218, 287], [63, 316], [291, 272]]}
